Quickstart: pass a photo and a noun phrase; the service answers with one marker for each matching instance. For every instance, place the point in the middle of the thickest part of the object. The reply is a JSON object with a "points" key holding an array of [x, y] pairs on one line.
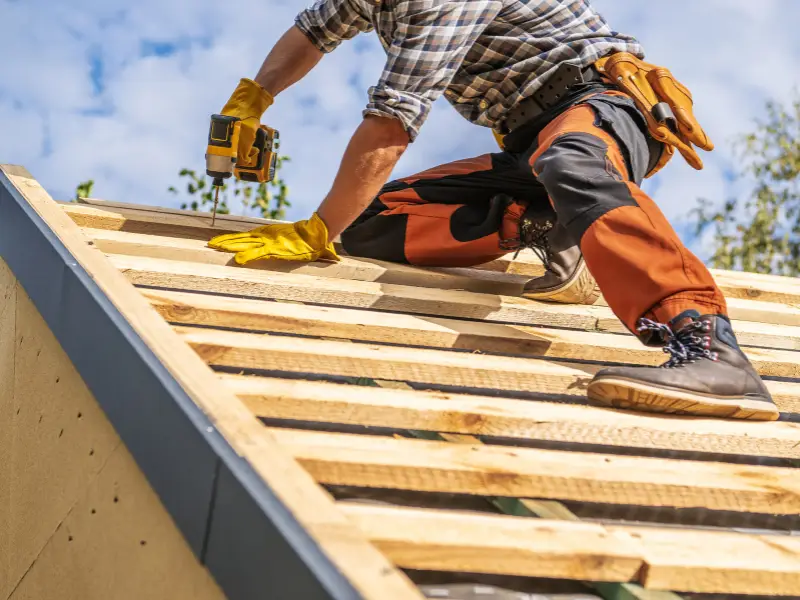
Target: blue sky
{"points": [[121, 92]]}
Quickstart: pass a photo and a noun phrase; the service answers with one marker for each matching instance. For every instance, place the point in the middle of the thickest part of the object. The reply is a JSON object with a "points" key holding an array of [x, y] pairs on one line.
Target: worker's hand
{"points": [[248, 102], [302, 241], [651, 87]]}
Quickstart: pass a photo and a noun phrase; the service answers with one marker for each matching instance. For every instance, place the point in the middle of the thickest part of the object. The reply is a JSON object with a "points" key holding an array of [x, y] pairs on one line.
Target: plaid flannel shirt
{"points": [[485, 56]]}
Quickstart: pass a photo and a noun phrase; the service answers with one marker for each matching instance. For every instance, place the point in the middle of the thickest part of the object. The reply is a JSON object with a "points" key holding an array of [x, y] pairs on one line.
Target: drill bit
{"points": [[214, 211], [217, 185]]}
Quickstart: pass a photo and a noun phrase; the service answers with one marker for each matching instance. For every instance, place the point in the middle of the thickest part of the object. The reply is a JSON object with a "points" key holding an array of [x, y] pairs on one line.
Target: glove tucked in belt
{"points": [[665, 103], [304, 241]]}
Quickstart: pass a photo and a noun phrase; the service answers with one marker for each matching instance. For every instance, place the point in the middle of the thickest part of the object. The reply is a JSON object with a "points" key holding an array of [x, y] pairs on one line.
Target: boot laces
{"points": [[687, 345], [533, 235]]}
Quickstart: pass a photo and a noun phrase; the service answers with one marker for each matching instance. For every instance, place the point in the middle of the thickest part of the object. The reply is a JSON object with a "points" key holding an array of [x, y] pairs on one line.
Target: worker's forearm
{"points": [[289, 61], [372, 154]]}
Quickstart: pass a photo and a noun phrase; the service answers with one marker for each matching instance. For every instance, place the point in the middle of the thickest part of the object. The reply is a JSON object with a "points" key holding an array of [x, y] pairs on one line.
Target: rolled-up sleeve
{"points": [[431, 39], [328, 22]]}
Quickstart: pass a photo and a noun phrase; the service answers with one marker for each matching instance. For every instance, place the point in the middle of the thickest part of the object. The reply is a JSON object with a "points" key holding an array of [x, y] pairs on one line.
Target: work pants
{"points": [[582, 168]]}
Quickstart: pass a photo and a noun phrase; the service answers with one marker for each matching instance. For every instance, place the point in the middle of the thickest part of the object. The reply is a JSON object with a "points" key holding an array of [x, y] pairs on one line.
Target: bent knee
{"points": [[582, 181]]}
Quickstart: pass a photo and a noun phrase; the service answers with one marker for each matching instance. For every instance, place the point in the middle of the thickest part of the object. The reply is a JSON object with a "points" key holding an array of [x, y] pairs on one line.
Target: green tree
{"points": [[761, 232], [269, 200], [84, 190]]}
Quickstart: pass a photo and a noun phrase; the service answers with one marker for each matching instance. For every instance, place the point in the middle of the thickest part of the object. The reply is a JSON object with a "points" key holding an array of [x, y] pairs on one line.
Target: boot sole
{"points": [[628, 394], [580, 289]]}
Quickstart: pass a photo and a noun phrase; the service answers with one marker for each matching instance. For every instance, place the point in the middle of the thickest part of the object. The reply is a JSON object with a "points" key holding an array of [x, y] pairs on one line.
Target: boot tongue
{"points": [[682, 320]]}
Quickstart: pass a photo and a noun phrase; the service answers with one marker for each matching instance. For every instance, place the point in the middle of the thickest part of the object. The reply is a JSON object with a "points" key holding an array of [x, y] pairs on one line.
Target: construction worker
{"points": [[581, 120]]}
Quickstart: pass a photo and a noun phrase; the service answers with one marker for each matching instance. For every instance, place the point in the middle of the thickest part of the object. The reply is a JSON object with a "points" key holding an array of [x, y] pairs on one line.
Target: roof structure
{"points": [[371, 430]]}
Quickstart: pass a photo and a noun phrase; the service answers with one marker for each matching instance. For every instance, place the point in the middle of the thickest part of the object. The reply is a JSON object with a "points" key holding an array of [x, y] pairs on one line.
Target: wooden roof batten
{"points": [[426, 389]]}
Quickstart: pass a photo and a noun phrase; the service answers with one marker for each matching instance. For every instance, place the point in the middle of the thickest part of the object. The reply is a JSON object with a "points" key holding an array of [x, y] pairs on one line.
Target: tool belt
{"points": [[665, 103], [553, 91]]}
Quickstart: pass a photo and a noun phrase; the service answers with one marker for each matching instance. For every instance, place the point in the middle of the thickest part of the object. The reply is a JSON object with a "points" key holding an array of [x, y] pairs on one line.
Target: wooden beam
{"points": [[371, 326], [549, 509], [460, 541], [719, 562], [324, 402], [749, 333], [736, 286], [367, 569], [686, 560], [484, 470], [301, 355], [421, 365], [337, 292], [386, 297], [356, 269]]}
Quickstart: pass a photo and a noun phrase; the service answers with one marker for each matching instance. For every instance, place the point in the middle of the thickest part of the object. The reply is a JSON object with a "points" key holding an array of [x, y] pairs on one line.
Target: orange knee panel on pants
{"points": [[430, 239], [637, 258]]}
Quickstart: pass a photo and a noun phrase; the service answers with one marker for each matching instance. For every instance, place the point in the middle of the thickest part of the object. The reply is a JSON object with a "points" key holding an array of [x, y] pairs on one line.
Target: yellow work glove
{"points": [[302, 241], [248, 102]]}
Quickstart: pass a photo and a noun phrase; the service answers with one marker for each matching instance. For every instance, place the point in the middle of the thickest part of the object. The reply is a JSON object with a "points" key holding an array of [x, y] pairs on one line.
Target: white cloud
{"points": [[145, 117]]}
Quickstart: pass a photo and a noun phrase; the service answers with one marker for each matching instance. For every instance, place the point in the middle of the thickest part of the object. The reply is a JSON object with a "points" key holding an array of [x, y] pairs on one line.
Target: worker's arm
{"points": [[318, 30], [291, 59], [371, 155]]}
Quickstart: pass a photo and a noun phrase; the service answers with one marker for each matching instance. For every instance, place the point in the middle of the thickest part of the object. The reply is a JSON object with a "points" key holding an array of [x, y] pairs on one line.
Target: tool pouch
{"points": [[665, 103]]}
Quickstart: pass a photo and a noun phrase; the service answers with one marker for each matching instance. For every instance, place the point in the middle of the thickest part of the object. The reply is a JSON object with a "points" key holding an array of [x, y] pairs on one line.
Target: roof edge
{"points": [[233, 521]]}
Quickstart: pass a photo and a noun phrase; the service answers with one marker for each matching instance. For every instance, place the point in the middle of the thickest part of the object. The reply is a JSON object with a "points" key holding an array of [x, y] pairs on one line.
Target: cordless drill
{"points": [[222, 160]]}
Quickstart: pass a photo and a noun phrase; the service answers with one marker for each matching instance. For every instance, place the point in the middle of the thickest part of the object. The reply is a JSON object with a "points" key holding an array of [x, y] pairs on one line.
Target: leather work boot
{"points": [[566, 279], [707, 374]]}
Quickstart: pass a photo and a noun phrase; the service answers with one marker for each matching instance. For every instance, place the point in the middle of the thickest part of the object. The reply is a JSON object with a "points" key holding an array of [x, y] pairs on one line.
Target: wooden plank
{"points": [[8, 336], [140, 220], [391, 297], [749, 333], [747, 315], [483, 470], [458, 541], [720, 562], [358, 294], [421, 365], [369, 571], [548, 509], [735, 285], [362, 269], [679, 559], [370, 326], [346, 323], [117, 541], [56, 441], [356, 269], [521, 419], [247, 221], [301, 355]]}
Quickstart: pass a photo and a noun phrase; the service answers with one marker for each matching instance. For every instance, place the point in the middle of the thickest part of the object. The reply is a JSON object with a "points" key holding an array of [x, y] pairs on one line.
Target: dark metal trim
{"points": [[233, 521]]}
